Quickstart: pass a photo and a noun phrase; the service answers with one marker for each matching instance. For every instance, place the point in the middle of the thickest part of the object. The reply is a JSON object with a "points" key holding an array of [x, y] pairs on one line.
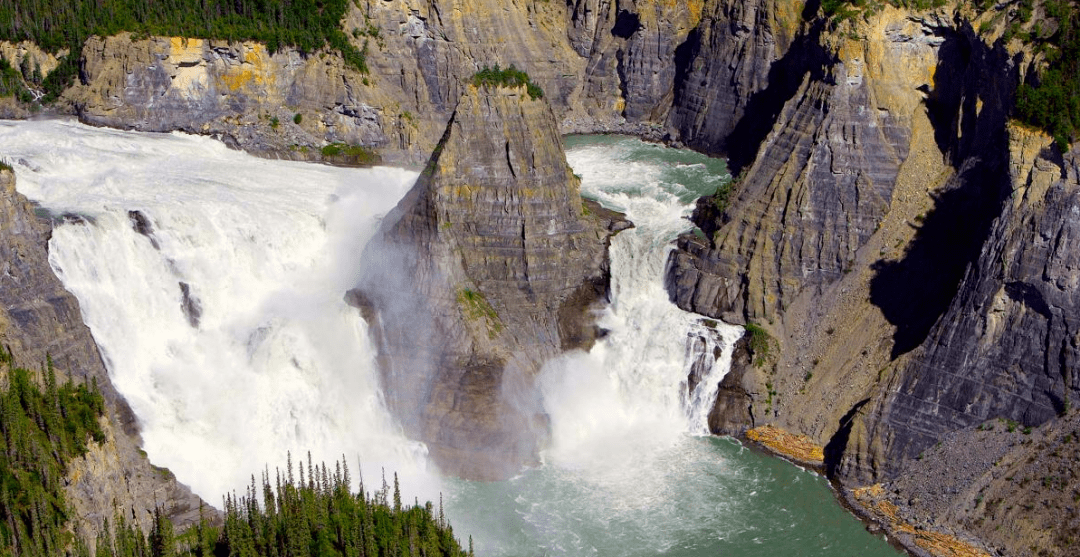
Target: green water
{"points": [[628, 473]]}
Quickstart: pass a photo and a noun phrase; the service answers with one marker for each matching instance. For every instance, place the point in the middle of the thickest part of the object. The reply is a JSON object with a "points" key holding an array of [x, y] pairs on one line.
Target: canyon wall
{"points": [[656, 69], [904, 247]]}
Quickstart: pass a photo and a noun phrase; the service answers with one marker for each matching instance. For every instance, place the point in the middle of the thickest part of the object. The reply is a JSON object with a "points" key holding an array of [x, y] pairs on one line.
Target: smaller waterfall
{"points": [[655, 375], [708, 359]]}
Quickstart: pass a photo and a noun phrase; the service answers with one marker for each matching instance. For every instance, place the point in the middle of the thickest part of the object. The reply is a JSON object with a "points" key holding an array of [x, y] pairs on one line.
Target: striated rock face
{"points": [[657, 69], [1007, 347], [239, 91], [38, 320], [821, 184], [481, 274], [725, 67], [912, 254]]}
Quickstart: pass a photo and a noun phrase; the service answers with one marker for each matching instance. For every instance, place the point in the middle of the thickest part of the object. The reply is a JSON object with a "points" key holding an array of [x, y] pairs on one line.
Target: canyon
{"points": [[906, 249]]}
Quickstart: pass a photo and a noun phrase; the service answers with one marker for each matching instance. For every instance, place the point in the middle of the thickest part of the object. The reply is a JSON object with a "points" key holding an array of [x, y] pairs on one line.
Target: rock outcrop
{"points": [[40, 320], [909, 252], [480, 275], [738, 59], [238, 91]]}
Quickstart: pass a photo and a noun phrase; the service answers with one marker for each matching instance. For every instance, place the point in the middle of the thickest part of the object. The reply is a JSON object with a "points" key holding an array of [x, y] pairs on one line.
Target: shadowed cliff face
{"points": [[914, 291], [39, 319], [478, 276], [735, 71], [821, 183], [1006, 347]]}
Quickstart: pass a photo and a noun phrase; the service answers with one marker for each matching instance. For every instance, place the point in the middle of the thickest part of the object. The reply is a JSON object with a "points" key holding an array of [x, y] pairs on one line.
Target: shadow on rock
{"points": [[915, 291]]}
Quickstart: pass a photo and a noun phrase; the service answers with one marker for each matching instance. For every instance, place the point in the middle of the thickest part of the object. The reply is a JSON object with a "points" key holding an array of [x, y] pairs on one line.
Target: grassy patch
{"points": [[350, 154], [475, 307], [762, 345], [510, 77]]}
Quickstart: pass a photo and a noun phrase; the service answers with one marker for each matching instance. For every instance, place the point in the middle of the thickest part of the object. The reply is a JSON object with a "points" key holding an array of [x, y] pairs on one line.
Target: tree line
{"points": [[316, 515], [55, 25], [45, 426], [1048, 98], [42, 431]]}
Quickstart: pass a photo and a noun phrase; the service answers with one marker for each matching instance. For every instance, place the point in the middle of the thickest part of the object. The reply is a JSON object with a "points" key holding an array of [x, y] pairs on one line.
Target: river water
{"points": [[213, 282]]}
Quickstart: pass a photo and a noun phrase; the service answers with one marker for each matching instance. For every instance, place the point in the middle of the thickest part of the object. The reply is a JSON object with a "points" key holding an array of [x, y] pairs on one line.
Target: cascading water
{"points": [[213, 284]]}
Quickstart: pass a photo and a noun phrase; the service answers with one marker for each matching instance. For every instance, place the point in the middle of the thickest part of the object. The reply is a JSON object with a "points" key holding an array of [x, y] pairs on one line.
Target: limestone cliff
{"points": [[672, 70], [40, 320], [906, 250], [481, 274], [280, 104], [1006, 346], [738, 61]]}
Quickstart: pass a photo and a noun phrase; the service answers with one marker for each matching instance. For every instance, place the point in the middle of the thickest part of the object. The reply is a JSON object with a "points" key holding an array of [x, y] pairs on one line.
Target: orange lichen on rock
{"points": [[796, 447], [253, 70], [872, 499]]}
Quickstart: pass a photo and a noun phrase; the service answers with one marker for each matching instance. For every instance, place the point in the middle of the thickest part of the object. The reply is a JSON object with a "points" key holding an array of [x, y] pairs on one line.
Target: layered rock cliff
{"points": [[907, 250], [39, 320], [485, 270], [658, 69]]}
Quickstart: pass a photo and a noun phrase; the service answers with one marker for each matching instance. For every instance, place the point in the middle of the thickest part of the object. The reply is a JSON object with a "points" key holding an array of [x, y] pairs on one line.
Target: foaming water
{"points": [[266, 358]]}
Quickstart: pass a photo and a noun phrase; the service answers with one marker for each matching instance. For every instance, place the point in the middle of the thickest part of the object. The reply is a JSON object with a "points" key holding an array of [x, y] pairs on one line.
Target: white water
{"points": [[278, 362], [628, 395], [623, 474]]}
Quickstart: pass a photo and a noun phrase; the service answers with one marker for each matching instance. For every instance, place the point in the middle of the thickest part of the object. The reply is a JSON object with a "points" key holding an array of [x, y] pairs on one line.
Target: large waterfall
{"points": [[213, 283]]}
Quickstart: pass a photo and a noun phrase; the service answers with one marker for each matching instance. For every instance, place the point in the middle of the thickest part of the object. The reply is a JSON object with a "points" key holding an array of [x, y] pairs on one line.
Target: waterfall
{"points": [[213, 284], [637, 378]]}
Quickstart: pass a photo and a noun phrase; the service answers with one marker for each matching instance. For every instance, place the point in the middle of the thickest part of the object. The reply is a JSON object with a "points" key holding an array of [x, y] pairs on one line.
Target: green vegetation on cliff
{"points": [[352, 155], [510, 77], [1051, 101], [11, 83], [762, 345], [65, 24], [42, 432], [1048, 98], [316, 515]]}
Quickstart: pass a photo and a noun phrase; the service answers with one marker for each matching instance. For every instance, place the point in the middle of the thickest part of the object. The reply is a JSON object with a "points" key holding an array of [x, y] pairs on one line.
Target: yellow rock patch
{"points": [[185, 51], [872, 498], [252, 72], [797, 447]]}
